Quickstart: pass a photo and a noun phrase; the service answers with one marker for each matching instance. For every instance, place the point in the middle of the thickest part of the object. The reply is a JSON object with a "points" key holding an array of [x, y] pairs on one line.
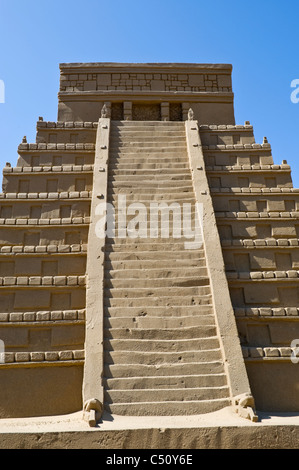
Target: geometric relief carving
{"points": [[263, 260], [284, 333], [258, 335], [288, 296], [60, 301], [38, 299], [237, 296], [146, 112], [264, 295], [242, 262], [40, 339], [6, 302], [283, 261]]}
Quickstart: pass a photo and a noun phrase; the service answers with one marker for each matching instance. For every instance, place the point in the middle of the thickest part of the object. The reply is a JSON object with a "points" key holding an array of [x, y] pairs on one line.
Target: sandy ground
{"points": [[74, 422]]}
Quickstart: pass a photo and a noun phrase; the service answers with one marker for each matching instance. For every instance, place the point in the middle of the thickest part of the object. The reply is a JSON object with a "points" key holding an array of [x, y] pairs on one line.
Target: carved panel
{"points": [[146, 112], [175, 112]]}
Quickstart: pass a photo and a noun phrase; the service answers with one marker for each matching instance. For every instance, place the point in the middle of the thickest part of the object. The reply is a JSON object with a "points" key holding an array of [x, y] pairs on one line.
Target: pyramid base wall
{"points": [[223, 429], [274, 385], [40, 391], [258, 437]]}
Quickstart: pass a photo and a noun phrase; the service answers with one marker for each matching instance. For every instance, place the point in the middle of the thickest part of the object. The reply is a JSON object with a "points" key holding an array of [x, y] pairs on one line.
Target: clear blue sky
{"points": [[260, 39]]}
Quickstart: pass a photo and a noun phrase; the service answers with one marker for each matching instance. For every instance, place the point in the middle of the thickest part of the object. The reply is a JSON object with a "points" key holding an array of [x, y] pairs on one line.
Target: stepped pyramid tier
{"points": [[149, 253]]}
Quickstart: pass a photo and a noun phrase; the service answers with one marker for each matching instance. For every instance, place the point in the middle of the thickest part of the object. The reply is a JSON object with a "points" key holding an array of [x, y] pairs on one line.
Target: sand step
{"points": [[150, 175], [165, 395], [157, 321], [157, 283], [116, 166], [160, 292], [170, 211], [139, 132], [184, 281], [151, 227], [118, 252], [167, 313], [116, 188], [160, 124], [173, 182], [168, 382], [171, 408], [128, 197], [177, 159], [148, 132], [163, 370], [150, 213], [148, 155], [145, 136], [148, 149], [123, 140], [118, 138], [148, 193], [157, 301], [161, 334], [159, 186], [159, 272], [153, 131], [152, 255], [138, 172], [146, 346], [157, 250], [139, 265], [168, 197], [136, 146], [147, 245], [156, 358]]}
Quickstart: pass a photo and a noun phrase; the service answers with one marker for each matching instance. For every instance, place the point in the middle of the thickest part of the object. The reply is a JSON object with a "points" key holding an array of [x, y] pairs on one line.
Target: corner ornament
{"points": [[244, 406], [190, 115], [92, 411], [104, 112]]}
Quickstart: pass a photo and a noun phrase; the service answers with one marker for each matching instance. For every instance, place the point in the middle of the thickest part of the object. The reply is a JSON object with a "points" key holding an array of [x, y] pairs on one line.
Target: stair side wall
{"points": [[227, 331]]}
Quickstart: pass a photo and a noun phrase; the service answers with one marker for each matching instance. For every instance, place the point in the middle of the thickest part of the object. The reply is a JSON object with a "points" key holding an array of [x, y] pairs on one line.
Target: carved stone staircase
{"points": [[162, 352]]}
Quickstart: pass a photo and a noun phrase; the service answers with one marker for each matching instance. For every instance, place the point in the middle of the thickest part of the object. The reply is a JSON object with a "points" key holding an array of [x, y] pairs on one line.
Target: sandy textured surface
{"points": [[74, 422]]}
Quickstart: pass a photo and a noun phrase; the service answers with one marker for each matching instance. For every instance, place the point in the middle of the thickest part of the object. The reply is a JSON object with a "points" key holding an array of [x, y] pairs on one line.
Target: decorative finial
{"points": [[104, 112], [190, 114], [92, 411], [40, 118], [247, 123], [265, 141], [24, 140]]}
